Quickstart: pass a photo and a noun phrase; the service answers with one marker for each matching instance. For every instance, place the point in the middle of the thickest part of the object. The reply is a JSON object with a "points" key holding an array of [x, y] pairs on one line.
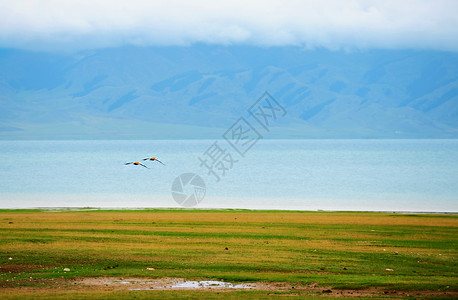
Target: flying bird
{"points": [[154, 159], [137, 163]]}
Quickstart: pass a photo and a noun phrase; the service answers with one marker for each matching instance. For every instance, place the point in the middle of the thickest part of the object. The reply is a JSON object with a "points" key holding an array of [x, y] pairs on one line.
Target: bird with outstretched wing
{"points": [[154, 159], [137, 163]]}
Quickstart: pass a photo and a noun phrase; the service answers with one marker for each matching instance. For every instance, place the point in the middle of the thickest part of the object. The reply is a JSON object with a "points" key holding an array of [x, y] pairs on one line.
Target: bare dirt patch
{"points": [[18, 268], [95, 284], [148, 284], [119, 283]]}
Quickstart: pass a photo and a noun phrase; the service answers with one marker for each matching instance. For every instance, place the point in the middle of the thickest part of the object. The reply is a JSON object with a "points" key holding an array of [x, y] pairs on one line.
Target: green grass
{"points": [[333, 249]]}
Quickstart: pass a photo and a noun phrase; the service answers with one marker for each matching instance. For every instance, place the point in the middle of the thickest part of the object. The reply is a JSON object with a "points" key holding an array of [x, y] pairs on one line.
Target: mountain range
{"points": [[199, 91]]}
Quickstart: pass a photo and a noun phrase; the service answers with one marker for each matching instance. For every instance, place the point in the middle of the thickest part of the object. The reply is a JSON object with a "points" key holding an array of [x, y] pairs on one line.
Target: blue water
{"points": [[410, 175]]}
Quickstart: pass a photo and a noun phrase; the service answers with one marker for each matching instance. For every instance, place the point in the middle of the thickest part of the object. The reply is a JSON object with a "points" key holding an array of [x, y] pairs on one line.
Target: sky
{"points": [[73, 25]]}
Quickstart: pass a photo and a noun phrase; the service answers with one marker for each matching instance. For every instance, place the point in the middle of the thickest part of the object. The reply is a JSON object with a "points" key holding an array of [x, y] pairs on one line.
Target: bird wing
{"points": [[128, 163], [160, 161], [146, 158], [143, 165]]}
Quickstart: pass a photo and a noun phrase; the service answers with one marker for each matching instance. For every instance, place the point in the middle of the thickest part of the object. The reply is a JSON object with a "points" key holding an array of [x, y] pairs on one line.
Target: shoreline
{"points": [[210, 202], [209, 209]]}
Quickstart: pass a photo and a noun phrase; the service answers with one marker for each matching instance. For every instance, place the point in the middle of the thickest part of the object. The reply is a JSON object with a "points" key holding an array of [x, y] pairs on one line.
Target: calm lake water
{"points": [[387, 175]]}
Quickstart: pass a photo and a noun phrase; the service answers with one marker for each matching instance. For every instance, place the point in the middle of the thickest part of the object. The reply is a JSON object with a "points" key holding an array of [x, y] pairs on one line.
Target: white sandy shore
{"points": [[166, 201]]}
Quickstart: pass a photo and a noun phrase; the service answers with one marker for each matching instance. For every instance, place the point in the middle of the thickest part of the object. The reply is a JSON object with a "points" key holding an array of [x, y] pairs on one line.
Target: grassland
{"points": [[305, 253]]}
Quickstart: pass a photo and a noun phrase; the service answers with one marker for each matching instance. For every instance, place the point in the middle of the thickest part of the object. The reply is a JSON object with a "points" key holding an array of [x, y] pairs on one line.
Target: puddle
{"points": [[173, 283], [138, 284], [205, 284]]}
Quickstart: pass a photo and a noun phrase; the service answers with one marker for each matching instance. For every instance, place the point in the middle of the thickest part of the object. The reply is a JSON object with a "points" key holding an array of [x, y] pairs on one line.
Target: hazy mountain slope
{"points": [[159, 92]]}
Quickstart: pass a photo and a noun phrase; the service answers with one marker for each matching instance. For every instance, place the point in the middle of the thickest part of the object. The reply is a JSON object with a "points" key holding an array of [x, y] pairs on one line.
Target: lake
{"points": [[363, 175]]}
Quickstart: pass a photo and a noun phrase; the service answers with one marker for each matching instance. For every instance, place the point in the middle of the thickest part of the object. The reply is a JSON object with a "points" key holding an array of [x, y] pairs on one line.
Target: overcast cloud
{"points": [[351, 24]]}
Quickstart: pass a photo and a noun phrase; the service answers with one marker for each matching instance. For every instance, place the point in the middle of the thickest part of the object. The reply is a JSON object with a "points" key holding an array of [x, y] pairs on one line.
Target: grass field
{"points": [[304, 253]]}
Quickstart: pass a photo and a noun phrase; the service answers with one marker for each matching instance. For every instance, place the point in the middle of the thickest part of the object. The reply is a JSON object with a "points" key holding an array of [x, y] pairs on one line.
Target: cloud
{"points": [[334, 24]]}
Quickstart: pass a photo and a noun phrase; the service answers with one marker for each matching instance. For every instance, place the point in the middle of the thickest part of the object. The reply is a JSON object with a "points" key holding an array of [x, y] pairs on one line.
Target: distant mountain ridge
{"points": [[199, 91]]}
